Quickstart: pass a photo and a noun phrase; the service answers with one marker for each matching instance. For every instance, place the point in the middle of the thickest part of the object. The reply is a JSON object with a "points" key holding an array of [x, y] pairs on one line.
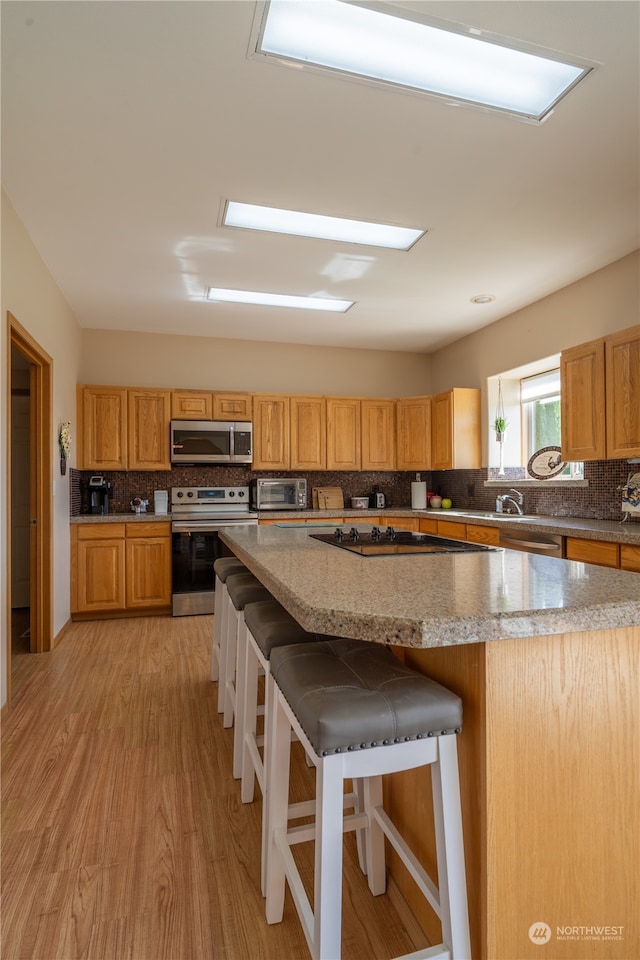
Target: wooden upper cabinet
{"points": [[413, 425], [622, 385], [271, 450], [600, 391], [378, 434], [582, 401], [308, 433], [343, 433], [102, 414], [149, 416], [232, 406], [455, 429], [191, 405]]}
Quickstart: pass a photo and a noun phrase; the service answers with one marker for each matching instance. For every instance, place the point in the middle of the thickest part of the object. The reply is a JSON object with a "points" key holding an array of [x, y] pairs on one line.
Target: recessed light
{"points": [[483, 298], [401, 48], [278, 300], [252, 216]]}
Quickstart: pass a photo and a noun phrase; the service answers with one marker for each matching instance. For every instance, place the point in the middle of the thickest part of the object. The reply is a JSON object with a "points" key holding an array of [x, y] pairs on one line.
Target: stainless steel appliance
{"points": [[99, 493], [278, 494], [211, 441], [380, 543], [547, 543], [197, 514]]}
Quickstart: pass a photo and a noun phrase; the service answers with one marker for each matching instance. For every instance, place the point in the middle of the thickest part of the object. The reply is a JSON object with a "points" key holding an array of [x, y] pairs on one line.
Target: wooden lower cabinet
{"points": [[601, 552], [148, 570], [629, 557], [452, 529], [98, 568], [400, 523], [477, 533], [120, 569]]}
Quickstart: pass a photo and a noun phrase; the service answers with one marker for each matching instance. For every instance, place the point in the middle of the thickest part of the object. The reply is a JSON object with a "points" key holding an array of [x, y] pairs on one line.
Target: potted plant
{"points": [[500, 427]]}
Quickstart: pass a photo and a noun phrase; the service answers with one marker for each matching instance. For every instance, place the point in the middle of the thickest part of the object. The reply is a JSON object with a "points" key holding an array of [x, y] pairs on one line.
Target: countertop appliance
{"points": [[211, 441], [197, 514], [286, 493], [381, 543], [99, 493]]}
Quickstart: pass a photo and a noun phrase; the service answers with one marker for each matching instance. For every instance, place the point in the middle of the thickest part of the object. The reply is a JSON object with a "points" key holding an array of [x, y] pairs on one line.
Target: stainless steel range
{"points": [[198, 513]]}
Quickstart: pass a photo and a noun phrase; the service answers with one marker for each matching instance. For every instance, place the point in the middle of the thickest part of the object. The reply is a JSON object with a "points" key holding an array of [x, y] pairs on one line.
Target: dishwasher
{"points": [[550, 544]]}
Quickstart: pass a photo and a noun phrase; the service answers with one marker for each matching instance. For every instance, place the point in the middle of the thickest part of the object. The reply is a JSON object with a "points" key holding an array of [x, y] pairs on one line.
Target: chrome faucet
{"points": [[506, 498]]}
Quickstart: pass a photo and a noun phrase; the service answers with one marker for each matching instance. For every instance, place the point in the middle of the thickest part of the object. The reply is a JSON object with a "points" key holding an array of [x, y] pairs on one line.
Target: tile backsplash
{"points": [[125, 485], [599, 500]]}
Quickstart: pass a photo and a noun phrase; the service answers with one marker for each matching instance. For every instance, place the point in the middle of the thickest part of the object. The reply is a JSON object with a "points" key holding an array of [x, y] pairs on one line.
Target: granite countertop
{"points": [[611, 530], [430, 601], [119, 517]]}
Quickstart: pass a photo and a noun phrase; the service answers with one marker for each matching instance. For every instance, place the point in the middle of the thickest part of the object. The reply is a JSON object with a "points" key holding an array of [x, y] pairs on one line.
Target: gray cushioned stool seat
{"points": [[226, 566], [350, 695], [273, 626], [244, 588]]}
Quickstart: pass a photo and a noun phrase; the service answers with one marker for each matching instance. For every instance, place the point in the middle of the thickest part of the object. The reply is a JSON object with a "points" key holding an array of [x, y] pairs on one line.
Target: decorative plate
{"points": [[545, 463]]}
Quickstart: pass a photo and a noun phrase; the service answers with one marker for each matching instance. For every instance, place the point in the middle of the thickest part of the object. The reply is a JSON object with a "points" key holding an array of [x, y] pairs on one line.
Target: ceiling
{"points": [[126, 125]]}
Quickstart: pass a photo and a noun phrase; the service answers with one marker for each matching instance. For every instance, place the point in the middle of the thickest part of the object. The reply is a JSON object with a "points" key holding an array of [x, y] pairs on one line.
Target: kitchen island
{"points": [[544, 653]]}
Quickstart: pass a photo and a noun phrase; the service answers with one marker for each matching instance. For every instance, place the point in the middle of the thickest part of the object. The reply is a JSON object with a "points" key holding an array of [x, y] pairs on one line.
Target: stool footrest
{"points": [[425, 884], [439, 952]]}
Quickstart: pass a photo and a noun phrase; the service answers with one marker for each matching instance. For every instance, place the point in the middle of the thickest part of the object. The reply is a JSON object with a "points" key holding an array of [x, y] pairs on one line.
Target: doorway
{"points": [[30, 470]]}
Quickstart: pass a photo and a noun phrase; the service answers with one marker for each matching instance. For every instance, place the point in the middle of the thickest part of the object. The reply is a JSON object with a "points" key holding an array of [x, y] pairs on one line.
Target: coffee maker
{"points": [[99, 492]]}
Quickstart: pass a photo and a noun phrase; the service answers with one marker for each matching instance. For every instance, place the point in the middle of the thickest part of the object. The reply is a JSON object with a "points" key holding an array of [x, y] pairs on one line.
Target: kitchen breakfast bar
{"points": [[544, 654]]}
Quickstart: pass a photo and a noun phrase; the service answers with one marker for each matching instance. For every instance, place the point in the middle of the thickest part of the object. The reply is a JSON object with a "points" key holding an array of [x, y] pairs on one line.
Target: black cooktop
{"points": [[382, 543]]}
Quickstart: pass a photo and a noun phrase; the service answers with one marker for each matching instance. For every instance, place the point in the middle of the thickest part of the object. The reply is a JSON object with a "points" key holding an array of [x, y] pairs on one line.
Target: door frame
{"points": [[40, 490]]}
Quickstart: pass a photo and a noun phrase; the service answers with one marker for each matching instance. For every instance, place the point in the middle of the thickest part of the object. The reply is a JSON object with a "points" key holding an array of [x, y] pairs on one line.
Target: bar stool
{"points": [[267, 625], [242, 588], [223, 567], [362, 713]]}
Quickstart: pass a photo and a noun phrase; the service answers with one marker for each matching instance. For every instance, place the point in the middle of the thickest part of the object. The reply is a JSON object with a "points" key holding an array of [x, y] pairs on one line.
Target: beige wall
{"points": [[201, 363], [31, 294], [605, 301]]}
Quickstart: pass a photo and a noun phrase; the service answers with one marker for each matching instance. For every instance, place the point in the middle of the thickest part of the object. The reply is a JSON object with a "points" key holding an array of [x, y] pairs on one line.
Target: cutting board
{"points": [[327, 498]]}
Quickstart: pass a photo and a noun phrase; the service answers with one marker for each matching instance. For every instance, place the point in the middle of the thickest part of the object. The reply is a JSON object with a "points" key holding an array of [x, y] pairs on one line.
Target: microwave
{"points": [[211, 441], [278, 494]]}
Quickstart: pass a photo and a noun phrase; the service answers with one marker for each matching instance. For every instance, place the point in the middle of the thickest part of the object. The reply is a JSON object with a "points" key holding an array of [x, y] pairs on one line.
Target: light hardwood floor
{"points": [[122, 829]]}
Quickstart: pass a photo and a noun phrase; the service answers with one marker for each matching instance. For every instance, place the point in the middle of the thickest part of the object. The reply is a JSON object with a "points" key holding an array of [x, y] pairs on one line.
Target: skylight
{"points": [[388, 47], [274, 220], [278, 300]]}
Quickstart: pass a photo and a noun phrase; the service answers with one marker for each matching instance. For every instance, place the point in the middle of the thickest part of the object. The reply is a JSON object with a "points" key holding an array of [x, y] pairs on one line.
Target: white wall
{"points": [[30, 293], [117, 358]]}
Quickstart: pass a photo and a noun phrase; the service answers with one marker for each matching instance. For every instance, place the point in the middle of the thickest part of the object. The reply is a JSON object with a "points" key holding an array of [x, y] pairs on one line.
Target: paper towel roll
{"points": [[418, 495]]}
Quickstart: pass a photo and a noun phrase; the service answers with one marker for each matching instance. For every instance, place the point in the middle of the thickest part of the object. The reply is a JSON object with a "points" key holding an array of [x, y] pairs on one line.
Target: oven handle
{"points": [[208, 526]]}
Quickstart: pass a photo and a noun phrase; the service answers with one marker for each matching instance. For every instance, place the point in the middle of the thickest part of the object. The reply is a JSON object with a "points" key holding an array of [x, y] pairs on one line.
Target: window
{"points": [[540, 400]]}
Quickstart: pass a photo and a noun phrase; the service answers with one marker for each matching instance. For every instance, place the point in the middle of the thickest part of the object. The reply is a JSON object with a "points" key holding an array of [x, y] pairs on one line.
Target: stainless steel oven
{"points": [[198, 513]]}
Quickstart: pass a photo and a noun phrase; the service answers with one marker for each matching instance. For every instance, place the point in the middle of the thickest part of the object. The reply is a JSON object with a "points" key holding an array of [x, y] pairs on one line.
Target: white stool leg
{"points": [[217, 622], [327, 907], [249, 722], [242, 654], [277, 809], [374, 837], [235, 616], [452, 884], [224, 630]]}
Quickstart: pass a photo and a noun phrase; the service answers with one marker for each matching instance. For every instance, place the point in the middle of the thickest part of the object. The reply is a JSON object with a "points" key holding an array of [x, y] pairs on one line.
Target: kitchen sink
{"points": [[487, 515]]}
